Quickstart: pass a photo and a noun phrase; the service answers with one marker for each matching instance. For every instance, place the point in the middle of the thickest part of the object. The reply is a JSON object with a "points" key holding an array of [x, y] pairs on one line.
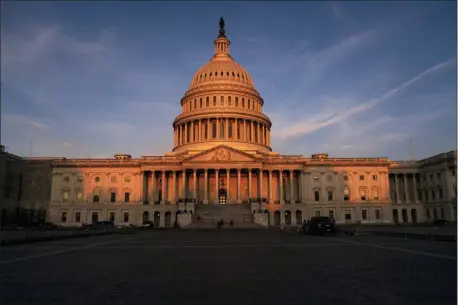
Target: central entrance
{"points": [[222, 196]]}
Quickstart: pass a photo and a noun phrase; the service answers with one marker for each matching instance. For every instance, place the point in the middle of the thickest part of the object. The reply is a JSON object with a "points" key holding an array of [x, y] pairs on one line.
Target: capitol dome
{"points": [[222, 106]]}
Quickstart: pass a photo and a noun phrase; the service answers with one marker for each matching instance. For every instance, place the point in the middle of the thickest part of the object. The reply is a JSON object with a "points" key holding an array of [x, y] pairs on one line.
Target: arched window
{"points": [[243, 102], [221, 101], [214, 130], [221, 130], [229, 101], [207, 102], [214, 101], [330, 196], [362, 193], [200, 103], [236, 101], [96, 195], [249, 104], [195, 103]]}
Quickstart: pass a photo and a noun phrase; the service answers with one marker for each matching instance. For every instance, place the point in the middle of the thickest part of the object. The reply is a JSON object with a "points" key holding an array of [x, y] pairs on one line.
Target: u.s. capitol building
{"points": [[222, 166]]}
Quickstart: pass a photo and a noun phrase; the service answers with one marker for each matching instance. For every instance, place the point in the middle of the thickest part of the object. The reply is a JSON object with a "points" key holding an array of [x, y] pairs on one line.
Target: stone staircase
{"points": [[208, 215]]}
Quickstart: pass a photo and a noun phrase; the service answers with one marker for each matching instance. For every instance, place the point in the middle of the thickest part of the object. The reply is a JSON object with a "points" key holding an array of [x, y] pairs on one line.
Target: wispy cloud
{"points": [[327, 118], [17, 120]]}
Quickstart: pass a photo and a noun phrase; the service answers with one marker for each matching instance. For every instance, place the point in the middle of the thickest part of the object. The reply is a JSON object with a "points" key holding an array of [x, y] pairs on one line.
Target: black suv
{"points": [[320, 225]]}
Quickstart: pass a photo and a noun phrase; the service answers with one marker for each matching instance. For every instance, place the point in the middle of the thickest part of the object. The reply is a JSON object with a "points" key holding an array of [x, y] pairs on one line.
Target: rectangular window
{"points": [[113, 197], [127, 179], [80, 178], [256, 134], [222, 101], [317, 196], [200, 103], [95, 217], [243, 102], [428, 216], [79, 196], [229, 101], [361, 177], [213, 130], [435, 213], [374, 177], [238, 131], [375, 194], [330, 196], [345, 178], [363, 194], [331, 213], [364, 214], [236, 101], [214, 101], [207, 102], [433, 195], [126, 217], [329, 178], [66, 179], [195, 103], [377, 214], [65, 196], [249, 104], [126, 197], [112, 216], [77, 217], [95, 198], [317, 213], [440, 193], [63, 217], [442, 213], [113, 179], [347, 215]]}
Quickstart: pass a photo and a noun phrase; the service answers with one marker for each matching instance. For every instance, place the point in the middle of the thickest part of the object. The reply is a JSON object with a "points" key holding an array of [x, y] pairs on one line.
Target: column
{"points": [[183, 184], [192, 132], [406, 189], [206, 186], [258, 128], [398, 200], [174, 196], [153, 186], [239, 200], [217, 129], [244, 130], [249, 184], [280, 183], [217, 184], [226, 132], [270, 188], [252, 132], [415, 189], [195, 183], [291, 182], [260, 183], [228, 176], [185, 133], [163, 186], [302, 187], [200, 130], [387, 185]]}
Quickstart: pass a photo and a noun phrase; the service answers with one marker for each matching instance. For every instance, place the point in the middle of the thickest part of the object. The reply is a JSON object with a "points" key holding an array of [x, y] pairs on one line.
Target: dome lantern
{"points": [[221, 42]]}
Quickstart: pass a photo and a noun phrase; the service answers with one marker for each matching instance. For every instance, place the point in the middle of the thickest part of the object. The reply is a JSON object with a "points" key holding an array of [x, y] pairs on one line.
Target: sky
{"points": [[352, 79]]}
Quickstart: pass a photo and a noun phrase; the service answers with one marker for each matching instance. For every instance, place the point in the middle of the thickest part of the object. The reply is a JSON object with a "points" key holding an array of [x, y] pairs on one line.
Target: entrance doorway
{"points": [[222, 196]]}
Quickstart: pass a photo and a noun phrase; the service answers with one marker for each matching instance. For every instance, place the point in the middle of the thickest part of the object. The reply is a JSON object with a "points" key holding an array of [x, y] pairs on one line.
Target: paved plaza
{"points": [[229, 267]]}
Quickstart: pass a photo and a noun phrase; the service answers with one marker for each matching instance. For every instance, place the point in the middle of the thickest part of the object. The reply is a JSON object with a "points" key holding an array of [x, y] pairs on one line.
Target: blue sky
{"points": [[353, 79]]}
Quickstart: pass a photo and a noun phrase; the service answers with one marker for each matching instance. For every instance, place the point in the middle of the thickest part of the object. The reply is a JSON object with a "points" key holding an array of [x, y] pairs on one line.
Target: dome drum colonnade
{"points": [[222, 106]]}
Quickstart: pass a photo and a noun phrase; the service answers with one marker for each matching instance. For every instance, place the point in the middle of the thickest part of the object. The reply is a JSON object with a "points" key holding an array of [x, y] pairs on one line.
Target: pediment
{"points": [[222, 153]]}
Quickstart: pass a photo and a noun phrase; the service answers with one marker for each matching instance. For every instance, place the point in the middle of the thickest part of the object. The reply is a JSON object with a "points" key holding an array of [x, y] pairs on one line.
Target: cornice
{"points": [[224, 112]]}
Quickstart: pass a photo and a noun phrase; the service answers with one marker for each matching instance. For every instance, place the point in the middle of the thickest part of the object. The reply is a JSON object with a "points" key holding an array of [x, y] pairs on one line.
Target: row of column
{"points": [[225, 129], [406, 189], [164, 178]]}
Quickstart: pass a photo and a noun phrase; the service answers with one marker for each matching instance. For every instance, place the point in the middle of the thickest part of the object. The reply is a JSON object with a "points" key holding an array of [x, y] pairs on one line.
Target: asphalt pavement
{"points": [[229, 267]]}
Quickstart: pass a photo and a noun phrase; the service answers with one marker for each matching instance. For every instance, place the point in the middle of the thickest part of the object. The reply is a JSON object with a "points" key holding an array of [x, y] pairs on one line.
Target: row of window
{"points": [[231, 135], [431, 195], [221, 75], [345, 178], [94, 217], [95, 196], [223, 102], [346, 191], [347, 215], [97, 179]]}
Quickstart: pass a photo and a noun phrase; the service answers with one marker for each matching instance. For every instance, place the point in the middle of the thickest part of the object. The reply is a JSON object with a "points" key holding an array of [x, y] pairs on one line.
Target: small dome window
{"points": [[238, 75], [210, 74], [233, 74], [243, 77], [205, 76], [227, 73]]}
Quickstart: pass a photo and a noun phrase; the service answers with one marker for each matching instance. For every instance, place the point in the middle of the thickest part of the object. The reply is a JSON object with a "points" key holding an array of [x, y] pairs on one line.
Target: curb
{"points": [[18, 241], [433, 237]]}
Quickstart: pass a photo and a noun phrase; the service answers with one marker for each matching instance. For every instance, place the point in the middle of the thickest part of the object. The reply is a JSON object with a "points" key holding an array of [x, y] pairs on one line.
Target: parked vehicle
{"points": [[320, 225], [44, 226], [147, 224], [440, 222]]}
